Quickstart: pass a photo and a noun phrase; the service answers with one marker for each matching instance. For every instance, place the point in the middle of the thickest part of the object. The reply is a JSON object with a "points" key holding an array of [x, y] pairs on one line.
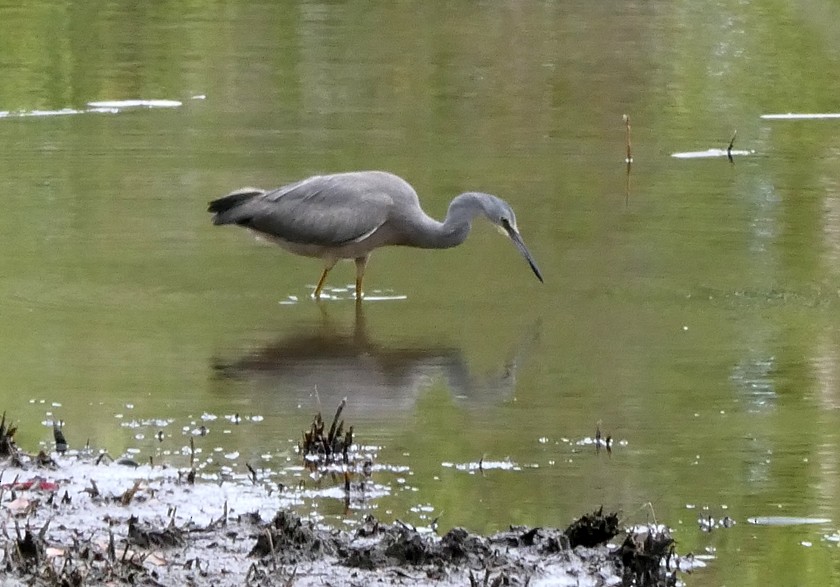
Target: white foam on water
{"points": [[384, 298], [97, 107], [122, 104], [802, 116], [712, 153], [786, 520]]}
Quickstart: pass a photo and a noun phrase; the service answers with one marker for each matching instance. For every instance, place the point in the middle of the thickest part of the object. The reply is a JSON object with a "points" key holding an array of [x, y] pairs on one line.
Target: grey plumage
{"points": [[348, 215]]}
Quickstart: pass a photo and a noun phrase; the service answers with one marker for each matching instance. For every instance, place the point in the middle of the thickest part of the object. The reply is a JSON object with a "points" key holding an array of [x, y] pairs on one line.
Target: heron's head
{"points": [[501, 214]]}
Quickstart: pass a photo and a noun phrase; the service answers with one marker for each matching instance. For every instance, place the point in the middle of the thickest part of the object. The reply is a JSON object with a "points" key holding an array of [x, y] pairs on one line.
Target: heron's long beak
{"points": [[517, 240]]}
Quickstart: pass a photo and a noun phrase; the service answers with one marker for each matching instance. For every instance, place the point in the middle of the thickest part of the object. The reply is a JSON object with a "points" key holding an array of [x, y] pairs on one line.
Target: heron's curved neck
{"points": [[455, 227]]}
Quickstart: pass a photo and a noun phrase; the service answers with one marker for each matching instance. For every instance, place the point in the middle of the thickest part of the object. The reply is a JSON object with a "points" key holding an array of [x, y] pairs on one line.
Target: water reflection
{"points": [[321, 366]]}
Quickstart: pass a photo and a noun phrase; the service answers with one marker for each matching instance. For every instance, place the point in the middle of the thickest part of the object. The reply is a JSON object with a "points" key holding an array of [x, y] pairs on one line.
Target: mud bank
{"points": [[79, 520]]}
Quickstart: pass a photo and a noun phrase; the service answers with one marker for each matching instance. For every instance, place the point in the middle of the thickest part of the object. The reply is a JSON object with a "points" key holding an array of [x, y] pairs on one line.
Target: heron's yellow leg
{"points": [[361, 263], [321, 282]]}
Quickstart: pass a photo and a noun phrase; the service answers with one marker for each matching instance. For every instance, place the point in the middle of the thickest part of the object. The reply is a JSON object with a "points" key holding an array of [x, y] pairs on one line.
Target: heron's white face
{"points": [[507, 220], [501, 214]]}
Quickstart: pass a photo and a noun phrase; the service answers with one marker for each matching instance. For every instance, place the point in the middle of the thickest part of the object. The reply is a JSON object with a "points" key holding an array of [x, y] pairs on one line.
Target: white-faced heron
{"points": [[348, 215]]}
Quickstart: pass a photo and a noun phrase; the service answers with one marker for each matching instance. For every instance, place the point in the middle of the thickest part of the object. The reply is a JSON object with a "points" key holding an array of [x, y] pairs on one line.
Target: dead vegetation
{"points": [[322, 449], [646, 557], [8, 448], [593, 529], [331, 452]]}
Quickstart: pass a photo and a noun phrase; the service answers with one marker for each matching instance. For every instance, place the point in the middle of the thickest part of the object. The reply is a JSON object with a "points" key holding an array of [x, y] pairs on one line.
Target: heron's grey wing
{"points": [[322, 210]]}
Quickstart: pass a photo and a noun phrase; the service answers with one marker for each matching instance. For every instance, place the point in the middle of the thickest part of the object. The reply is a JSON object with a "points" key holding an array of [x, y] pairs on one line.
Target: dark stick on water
{"points": [[729, 148]]}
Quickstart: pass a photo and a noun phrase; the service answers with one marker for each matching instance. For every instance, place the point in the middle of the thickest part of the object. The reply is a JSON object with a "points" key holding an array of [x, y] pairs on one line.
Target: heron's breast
{"points": [[304, 250]]}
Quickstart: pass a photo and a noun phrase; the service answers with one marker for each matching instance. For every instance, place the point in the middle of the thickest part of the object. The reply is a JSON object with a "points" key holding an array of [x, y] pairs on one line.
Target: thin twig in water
{"points": [[598, 436], [729, 148], [629, 158]]}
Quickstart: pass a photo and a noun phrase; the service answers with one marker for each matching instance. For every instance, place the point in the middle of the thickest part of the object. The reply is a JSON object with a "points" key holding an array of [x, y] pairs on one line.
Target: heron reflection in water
{"points": [[349, 215], [305, 368]]}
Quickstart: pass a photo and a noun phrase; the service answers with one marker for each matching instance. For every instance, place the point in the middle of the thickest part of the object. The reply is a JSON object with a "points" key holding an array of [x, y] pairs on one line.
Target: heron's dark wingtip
{"points": [[234, 199], [229, 209]]}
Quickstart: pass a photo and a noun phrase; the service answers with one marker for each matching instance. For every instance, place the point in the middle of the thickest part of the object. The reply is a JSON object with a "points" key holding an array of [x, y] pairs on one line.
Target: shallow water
{"points": [[690, 307]]}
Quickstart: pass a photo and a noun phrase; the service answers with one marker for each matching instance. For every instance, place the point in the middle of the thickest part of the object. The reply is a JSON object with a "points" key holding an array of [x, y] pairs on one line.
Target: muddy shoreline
{"points": [[80, 519]]}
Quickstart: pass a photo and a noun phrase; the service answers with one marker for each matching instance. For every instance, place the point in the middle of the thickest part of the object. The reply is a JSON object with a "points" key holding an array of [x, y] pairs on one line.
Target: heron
{"points": [[349, 215]]}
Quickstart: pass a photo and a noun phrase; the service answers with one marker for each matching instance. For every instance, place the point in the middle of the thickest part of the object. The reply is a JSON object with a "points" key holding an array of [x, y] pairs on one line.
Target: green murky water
{"points": [[691, 309]]}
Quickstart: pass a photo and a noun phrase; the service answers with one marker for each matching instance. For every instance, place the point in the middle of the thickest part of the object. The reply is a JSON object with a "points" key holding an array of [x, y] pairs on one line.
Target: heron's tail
{"points": [[233, 200]]}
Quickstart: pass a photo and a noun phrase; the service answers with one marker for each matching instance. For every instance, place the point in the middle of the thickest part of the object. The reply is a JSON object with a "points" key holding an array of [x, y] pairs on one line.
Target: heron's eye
{"points": [[505, 222]]}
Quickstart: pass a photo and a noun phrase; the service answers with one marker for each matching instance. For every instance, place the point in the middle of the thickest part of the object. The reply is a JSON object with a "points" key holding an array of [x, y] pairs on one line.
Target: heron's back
{"points": [[325, 215]]}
